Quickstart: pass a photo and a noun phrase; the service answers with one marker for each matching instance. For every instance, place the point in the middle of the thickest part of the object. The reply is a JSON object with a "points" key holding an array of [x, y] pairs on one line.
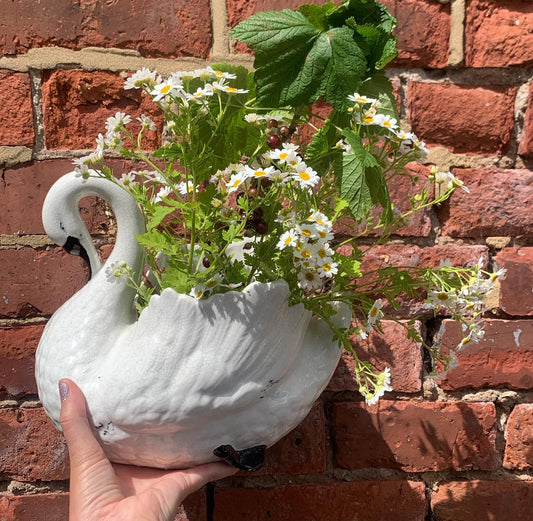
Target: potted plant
{"points": [[222, 311]]}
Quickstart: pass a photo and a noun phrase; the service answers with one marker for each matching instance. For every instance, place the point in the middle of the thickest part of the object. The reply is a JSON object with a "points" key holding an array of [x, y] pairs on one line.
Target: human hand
{"points": [[105, 491]]}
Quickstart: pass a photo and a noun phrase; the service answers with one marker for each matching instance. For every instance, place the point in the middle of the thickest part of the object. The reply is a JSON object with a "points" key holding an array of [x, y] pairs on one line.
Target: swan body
{"points": [[168, 387]]}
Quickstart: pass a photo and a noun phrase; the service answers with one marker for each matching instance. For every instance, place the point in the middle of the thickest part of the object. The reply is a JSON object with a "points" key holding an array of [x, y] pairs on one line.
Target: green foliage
{"points": [[317, 51]]}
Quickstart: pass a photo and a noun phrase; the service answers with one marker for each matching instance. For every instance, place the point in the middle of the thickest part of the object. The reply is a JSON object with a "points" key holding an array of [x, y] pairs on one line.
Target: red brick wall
{"points": [[455, 449]]}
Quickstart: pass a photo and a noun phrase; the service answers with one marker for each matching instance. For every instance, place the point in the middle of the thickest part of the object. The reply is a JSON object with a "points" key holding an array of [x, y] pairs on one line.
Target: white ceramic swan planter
{"points": [[187, 381]]}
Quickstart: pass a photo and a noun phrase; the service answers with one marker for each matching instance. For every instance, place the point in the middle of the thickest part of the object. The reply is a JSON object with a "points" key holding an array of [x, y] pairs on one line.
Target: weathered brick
{"points": [[415, 437], [172, 29], [303, 450], [31, 448], [462, 118], [480, 500], [17, 359], [329, 501], [36, 282], [525, 147], [516, 288], [411, 255], [76, 105], [502, 358], [193, 508], [423, 32], [497, 33], [34, 507], [391, 349], [519, 446], [16, 116], [24, 189], [500, 203]]}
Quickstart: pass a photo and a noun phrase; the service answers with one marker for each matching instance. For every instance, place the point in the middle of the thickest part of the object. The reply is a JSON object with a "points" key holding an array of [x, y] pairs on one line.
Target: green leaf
{"points": [[158, 214], [317, 14], [362, 183], [296, 63]]}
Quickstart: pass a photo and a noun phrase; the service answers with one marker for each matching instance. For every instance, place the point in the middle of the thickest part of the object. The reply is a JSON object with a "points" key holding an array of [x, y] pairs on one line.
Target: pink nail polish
{"points": [[63, 391]]}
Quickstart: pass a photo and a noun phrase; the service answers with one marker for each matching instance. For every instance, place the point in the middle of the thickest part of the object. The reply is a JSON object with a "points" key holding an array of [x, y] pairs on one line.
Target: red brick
{"points": [[498, 33], [423, 32], [193, 508], [31, 448], [17, 360], [302, 451], [24, 189], [526, 143], [415, 436], [500, 203], [34, 507], [76, 105], [170, 29], [519, 446], [516, 294], [16, 116], [412, 255], [330, 501], [36, 282], [392, 349], [462, 118], [479, 500], [503, 358]]}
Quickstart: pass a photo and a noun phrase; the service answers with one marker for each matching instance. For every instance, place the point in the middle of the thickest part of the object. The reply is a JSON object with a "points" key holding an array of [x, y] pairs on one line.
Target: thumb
{"points": [[92, 479], [73, 419], [83, 447]]}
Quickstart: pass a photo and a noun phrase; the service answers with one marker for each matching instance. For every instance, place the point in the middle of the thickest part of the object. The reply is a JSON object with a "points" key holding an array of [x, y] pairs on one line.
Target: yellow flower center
{"points": [[305, 176], [165, 89]]}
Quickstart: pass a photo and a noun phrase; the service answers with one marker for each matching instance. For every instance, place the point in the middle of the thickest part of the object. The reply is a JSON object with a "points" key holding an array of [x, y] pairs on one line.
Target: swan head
{"points": [[62, 221]]}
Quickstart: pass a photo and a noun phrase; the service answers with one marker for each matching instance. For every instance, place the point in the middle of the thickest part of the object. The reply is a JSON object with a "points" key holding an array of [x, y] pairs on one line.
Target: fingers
{"points": [[74, 423], [196, 477]]}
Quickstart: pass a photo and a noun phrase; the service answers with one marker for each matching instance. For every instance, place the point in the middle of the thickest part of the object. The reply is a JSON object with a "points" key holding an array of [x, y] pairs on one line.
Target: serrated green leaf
{"points": [[296, 63], [159, 212], [317, 14], [362, 183]]}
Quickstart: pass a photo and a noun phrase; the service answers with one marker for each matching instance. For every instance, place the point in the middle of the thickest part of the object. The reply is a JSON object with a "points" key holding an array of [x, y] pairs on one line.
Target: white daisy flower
{"points": [[455, 182], [326, 267], [147, 122], [306, 176], [171, 87], [140, 78], [128, 179], [375, 312], [260, 173], [115, 123], [254, 119], [236, 180], [163, 192], [360, 99], [185, 188], [288, 238], [308, 279], [198, 291]]}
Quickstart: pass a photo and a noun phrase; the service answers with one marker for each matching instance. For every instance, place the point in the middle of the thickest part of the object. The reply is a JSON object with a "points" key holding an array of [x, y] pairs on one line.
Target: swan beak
{"points": [[74, 247]]}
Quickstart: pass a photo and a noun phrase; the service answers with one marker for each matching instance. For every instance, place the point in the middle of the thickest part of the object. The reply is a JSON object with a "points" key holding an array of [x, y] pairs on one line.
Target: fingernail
{"points": [[63, 390]]}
